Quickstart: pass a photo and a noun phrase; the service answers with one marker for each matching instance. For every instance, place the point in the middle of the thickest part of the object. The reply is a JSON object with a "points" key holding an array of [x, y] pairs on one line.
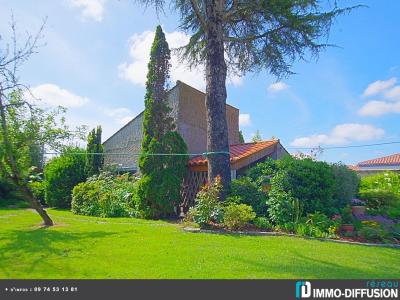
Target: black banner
{"points": [[200, 289]]}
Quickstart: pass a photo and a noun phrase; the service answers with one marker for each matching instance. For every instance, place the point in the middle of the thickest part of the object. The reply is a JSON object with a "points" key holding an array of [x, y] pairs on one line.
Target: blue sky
{"points": [[94, 63]]}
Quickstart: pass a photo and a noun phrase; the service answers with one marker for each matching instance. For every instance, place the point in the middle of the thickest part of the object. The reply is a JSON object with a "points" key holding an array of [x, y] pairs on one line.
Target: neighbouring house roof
{"points": [[354, 168], [391, 160], [246, 153]]}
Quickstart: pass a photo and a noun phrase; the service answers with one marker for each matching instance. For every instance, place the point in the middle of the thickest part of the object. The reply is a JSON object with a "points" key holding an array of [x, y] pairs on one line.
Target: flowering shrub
{"points": [[208, 207], [105, 195]]}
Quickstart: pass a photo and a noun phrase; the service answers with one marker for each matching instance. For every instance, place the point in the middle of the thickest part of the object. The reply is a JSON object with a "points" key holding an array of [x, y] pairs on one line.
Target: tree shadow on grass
{"points": [[35, 247], [313, 267]]}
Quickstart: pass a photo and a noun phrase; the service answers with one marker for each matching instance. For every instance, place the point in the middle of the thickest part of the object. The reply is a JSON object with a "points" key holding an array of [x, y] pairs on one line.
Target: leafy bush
{"points": [[387, 181], [105, 196], [262, 173], [347, 216], [346, 184], [262, 223], [38, 190], [282, 206], [312, 182], [245, 191], [6, 188], [378, 198], [237, 216], [373, 231], [61, 174], [320, 221], [208, 207]]}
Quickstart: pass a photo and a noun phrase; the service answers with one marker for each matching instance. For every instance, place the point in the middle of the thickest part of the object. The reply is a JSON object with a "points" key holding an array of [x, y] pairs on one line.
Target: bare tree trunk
{"points": [[216, 70], [15, 174]]}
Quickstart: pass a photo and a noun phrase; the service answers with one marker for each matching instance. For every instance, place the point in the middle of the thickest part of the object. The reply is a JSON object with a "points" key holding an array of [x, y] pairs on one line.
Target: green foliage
{"points": [[61, 174], [94, 162], [263, 172], [237, 216], [320, 221], [38, 190], [241, 138], [347, 216], [373, 231], [159, 187], [312, 182], [257, 137], [282, 206], [105, 195], [208, 207], [162, 176], [377, 199], [244, 190], [262, 223], [387, 181], [346, 184]]}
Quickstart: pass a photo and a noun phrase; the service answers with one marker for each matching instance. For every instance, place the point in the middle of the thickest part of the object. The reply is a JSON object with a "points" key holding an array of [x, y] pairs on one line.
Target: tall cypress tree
{"points": [[159, 187], [94, 150]]}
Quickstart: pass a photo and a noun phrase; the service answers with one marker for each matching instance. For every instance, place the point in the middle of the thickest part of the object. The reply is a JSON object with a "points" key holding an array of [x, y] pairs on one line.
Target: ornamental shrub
{"points": [[387, 181], [379, 198], [237, 216], [208, 207], [105, 195], [346, 184], [61, 174], [245, 191], [262, 223], [311, 182]]}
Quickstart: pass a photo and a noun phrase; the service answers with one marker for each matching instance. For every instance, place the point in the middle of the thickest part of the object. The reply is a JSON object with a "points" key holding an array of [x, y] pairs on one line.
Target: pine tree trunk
{"points": [[216, 70], [15, 174]]}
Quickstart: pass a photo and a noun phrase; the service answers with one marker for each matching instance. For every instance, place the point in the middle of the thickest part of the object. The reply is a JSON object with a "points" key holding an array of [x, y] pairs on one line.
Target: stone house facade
{"points": [[189, 113]]}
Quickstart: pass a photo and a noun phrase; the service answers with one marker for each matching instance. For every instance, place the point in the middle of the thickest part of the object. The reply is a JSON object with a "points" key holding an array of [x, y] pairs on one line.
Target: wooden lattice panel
{"points": [[191, 186]]}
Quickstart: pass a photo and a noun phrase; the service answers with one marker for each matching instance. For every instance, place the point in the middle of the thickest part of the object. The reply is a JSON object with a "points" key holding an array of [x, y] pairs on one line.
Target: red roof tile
{"points": [[354, 168], [237, 151], [382, 161]]}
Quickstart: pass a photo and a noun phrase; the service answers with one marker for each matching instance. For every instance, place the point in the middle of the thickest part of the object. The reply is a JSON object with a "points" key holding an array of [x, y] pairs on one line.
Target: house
{"points": [[188, 111], [380, 164], [189, 114]]}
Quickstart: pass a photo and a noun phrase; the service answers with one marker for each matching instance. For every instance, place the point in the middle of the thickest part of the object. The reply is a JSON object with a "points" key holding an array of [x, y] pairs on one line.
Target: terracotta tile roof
{"points": [[382, 161], [354, 168], [237, 152]]}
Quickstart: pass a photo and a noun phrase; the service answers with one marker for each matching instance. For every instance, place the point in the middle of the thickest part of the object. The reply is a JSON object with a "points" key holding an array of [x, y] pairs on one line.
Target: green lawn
{"points": [[86, 247]]}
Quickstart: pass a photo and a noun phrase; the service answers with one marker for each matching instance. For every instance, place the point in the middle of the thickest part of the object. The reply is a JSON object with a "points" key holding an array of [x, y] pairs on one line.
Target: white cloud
{"points": [[53, 95], [277, 87], [390, 102], [378, 108], [341, 135], [91, 9], [379, 86], [393, 93], [244, 120], [139, 52]]}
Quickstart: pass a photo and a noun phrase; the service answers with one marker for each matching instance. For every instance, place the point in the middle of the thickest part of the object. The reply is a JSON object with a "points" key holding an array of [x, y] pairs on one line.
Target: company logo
{"points": [[303, 289]]}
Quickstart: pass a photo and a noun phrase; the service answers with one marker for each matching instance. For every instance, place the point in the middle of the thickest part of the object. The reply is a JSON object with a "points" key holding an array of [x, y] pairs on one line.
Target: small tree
{"points": [[24, 126], [241, 138], [257, 137], [162, 175], [94, 150]]}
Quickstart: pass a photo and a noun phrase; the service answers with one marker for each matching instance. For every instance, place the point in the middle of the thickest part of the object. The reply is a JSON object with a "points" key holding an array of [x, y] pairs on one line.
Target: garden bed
{"points": [[344, 240]]}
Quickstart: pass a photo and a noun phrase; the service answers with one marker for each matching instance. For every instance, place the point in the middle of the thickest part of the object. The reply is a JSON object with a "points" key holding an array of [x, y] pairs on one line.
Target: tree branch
{"points": [[199, 16]]}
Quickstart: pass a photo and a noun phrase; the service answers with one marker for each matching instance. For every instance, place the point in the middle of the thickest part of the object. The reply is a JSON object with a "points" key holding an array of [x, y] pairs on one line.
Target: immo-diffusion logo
{"points": [[383, 289], [303, 289]]}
